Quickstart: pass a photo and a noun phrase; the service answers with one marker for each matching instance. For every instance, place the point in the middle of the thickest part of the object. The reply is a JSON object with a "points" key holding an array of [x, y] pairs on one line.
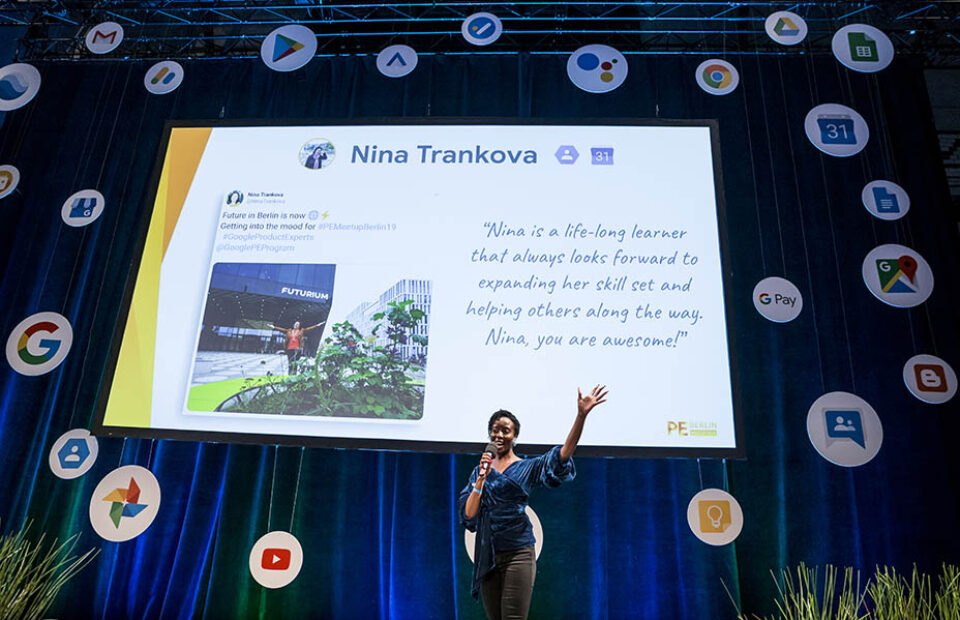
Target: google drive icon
{"points": [[785, 28], [288, 48]]}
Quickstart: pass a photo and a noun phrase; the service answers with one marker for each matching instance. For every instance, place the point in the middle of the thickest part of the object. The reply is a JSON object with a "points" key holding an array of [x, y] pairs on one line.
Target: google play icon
{"points": [[288, 48], [284, 46]]}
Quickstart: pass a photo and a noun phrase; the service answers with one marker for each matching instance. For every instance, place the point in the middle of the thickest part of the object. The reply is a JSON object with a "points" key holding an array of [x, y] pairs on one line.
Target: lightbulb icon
{"points": [[715, 514]]}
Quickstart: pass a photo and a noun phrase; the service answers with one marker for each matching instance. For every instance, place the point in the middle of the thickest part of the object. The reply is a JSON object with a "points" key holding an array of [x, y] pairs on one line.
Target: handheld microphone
{"points": [[492, 450]]}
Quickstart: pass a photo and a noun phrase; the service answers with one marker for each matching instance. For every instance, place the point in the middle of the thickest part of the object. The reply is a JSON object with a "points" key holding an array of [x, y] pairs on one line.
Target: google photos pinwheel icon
{"points": [[125, 503]]}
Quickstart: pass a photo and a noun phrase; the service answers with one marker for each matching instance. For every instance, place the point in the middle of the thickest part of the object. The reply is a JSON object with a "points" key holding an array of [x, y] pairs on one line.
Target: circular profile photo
{"points": [[317, 153]]}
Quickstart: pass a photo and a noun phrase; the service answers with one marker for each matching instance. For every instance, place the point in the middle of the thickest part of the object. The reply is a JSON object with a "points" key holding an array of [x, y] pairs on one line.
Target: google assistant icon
{"points": [[597, 68]]}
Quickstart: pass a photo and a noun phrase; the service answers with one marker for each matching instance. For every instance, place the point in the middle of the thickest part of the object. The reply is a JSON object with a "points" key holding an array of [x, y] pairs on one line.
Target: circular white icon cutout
{"points": [[125, 503], [469, 538], [785, 28], [897, 276], [717, 77], [104, 37], [288, 48], [39, 343], [930, 379], [397, 60], [885, 200], [777, 299], [844, 429], [862, 48], [82, 208], [19, 84], [481, 28], [276, 559], [163, 77], [73, 454], [597, 68], [715, 517], [9, 179], [836, 129]]}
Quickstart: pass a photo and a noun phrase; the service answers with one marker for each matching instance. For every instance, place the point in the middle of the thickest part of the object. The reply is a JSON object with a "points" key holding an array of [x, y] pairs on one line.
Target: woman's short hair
{"points": [[503, 413]]}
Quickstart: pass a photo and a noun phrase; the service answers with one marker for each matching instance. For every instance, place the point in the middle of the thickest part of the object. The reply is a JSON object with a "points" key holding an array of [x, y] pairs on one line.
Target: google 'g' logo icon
{"points": [[39, 343], [764, 298], [717, 77]]}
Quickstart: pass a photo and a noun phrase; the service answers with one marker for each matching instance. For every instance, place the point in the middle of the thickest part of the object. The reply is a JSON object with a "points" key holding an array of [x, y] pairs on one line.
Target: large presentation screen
{"points": [[391, 285]]}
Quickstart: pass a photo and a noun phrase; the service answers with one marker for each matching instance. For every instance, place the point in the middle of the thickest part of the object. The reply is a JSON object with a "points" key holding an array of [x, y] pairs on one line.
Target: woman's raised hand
{"points": [[596, 396]]}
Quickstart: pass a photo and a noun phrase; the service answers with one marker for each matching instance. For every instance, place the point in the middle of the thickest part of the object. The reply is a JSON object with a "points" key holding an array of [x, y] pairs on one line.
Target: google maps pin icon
{"points": [[907, 265]]}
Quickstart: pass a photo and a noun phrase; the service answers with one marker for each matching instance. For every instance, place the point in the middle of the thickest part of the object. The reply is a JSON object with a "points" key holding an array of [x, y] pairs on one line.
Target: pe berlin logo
{"points": [[39, 343]]}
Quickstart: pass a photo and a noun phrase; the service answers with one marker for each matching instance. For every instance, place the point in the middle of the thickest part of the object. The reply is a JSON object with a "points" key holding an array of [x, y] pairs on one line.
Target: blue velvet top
{"points": [[501, 523]]}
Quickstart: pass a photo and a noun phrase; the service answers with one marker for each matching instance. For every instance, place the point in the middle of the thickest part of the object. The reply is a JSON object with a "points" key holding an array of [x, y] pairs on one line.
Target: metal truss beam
{"points": [[191, 29]]}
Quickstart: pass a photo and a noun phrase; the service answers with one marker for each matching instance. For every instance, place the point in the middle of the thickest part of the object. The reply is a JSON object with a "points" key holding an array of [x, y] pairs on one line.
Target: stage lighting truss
{"points": [[183, 30]]}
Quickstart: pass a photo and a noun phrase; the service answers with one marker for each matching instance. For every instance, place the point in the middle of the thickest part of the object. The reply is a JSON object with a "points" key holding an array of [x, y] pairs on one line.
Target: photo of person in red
{"points": [[294, 336]]}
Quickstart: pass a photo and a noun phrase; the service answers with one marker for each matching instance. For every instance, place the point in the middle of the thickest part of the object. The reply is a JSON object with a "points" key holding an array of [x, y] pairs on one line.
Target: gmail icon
{"points": [[104, 37]]}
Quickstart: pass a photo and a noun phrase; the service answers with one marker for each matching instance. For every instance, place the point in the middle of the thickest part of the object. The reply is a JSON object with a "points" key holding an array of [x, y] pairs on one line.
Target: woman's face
{"points": [[503, 435]]}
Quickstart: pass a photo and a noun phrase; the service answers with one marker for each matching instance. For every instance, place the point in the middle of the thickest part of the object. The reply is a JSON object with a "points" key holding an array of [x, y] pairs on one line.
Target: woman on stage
{"points": [[493, 503]]}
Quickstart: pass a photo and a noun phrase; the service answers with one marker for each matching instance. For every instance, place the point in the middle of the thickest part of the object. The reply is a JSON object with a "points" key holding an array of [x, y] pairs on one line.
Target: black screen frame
{"points": [[736, 452]]}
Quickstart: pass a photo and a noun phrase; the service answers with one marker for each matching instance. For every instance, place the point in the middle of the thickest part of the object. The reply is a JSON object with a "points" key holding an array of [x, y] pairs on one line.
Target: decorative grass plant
{"points": [[805, 594], [32, 573]]}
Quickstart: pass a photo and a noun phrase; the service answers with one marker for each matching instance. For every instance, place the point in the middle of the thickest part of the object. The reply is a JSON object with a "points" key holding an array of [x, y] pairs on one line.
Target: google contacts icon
{"points": [[39, 343]]}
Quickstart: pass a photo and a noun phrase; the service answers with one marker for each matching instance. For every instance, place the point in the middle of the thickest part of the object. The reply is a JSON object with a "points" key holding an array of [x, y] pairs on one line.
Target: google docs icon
{"points": [[886, 200]]}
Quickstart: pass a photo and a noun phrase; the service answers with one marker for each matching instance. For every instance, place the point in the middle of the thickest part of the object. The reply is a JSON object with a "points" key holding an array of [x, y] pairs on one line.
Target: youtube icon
{"points": [[275, 559]]}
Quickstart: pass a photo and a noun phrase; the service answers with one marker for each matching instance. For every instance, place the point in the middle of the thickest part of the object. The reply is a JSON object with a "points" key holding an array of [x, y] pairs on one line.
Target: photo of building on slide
{"points": [[266, 346]]}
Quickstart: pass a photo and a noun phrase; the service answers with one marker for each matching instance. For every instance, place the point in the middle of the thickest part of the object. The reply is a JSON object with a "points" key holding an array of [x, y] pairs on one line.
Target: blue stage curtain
{"points": [[379, 529]]}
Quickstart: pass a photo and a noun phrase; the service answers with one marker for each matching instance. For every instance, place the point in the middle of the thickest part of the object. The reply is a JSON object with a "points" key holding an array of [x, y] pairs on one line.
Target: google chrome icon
{"points": [[717, 77]]}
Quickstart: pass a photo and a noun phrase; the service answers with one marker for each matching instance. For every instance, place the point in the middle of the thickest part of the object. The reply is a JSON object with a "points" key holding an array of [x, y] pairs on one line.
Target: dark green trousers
{"points": [[507, 589]]}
